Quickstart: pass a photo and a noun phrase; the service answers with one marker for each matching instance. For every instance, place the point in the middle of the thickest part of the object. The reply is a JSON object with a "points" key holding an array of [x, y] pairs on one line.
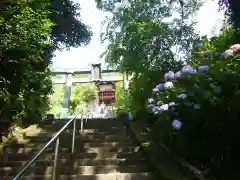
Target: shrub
{"points": [[198, 107]]}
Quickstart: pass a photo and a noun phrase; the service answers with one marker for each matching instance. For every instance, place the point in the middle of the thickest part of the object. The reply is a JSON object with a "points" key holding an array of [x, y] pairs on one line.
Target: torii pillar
{"points": [[67, 95], [96, 76]]}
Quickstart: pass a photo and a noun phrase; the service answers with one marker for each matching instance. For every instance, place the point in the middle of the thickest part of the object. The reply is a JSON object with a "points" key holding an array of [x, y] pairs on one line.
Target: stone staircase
{"points": [[102, 152]]}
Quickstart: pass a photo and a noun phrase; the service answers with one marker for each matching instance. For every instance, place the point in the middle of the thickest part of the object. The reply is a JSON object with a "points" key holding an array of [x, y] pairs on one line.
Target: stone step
{"points": [[77, 149], [103, 127], [81, 144], [97, 128], [113, 144], [82, 137], [23, 150], [78, 162], [107, 121], [92, 122], [68, 132], [111, 149], [111, 176], [80, 170], [91, 132], [50, 155], [105, 138]]}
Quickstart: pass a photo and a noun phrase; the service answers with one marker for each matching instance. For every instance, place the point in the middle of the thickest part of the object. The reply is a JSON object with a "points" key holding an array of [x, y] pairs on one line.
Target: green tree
{"points": [[30, 32], [232, 16], [81, 96], [142, 35], [119, 97]]}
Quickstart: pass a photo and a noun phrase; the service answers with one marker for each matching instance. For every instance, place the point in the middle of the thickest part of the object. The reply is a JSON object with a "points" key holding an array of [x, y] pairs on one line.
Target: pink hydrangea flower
{"points": [[228, 53], [235, 48]]}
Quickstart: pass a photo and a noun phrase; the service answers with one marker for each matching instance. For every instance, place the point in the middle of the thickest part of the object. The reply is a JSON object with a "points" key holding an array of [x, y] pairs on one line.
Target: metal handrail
{"points": [[53, 139]]}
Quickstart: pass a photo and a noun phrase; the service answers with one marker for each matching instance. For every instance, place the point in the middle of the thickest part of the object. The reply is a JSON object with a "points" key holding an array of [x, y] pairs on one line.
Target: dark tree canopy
{"points": [[232, 10], [68, 31]]}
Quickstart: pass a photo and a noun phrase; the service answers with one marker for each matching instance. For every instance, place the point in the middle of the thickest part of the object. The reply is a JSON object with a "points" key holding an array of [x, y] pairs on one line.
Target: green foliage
{"points": [[119, 97], [56, 100], [81, 95], [24, 37], [68, 30], [232, 14], [30, 32]]}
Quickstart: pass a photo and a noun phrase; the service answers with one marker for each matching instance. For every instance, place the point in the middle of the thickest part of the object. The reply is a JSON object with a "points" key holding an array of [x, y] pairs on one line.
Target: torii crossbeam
{"points": [[95, 77]]}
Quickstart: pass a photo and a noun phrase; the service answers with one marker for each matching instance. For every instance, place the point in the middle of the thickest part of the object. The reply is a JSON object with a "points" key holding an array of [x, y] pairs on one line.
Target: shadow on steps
{"points": [[102, 150]]}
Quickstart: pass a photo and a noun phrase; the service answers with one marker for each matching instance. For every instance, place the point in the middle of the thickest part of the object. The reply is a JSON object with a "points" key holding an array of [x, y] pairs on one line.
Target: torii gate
{"points": [[96, 78]]}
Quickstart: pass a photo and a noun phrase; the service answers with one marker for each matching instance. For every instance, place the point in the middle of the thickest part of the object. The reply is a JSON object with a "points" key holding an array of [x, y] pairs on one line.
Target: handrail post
{"points": [[54, 177], [82, 124], [56, 139], [73, 135]]}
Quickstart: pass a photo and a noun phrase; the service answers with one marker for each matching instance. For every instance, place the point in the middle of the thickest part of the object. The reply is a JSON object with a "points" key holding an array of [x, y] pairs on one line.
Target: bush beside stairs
{"points": [[103, 151]]}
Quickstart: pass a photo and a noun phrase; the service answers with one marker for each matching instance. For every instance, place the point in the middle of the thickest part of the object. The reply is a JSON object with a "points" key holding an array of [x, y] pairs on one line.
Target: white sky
{"points": [[208, 17]]}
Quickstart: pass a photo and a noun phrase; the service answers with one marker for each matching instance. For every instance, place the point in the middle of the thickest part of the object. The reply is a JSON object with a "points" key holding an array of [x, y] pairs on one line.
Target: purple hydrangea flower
{"points": [[178, 74], [150, 106], [209, 79], [154, 108], [155, 112], [176, 124], [171, 104], [188, 70], [150, 100], [208, 53], [182, 96], [196, 106], [203, 68], [155, 89], [168, 85], [169, 76], [163, 107], [160, 86]]}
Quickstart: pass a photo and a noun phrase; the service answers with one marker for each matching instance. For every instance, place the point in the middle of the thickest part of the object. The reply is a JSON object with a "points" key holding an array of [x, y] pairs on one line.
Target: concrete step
{"points": [[78, 162], [111, 176], [50, 155], [80, 170]]}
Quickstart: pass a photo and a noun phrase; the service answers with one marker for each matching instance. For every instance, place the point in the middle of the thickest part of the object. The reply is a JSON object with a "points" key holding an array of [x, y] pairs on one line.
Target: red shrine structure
{"points": [[106, 92]]}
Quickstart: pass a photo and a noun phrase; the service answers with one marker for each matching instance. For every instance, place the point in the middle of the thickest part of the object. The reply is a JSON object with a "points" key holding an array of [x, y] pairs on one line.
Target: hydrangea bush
{"points": [[198, 108]]}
